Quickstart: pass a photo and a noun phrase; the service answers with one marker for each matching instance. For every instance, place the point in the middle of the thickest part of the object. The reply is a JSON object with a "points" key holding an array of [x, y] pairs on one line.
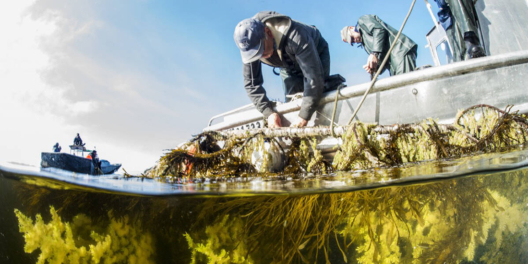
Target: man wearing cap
{"points": [[376, 37], [297, 49], [459, 19]]}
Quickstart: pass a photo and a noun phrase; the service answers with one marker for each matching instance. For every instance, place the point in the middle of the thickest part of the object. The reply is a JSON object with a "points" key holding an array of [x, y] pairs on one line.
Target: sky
{"points": [[135, 78]]}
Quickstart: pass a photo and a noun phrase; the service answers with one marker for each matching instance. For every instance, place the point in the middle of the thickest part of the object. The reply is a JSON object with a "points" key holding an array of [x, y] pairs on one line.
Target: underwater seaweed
{"points": [[463, 220], [119, 242], [226, 234], [445, 222]]}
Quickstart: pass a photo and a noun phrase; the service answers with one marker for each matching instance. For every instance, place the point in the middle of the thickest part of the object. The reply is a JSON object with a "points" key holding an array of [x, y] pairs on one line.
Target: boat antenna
{"points": [[380, 68]]}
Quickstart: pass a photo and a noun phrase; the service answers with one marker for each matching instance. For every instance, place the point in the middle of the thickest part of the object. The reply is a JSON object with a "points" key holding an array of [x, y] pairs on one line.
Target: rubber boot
{"points": [[473, 47]]}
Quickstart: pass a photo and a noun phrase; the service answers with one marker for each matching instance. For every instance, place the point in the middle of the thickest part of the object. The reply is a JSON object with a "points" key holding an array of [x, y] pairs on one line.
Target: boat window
{"points": [[444, 53]]}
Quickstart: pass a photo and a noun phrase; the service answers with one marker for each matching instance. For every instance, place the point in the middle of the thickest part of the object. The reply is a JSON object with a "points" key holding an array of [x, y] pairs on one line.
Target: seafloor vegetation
{"points": [[478, 129], [477, 219]]}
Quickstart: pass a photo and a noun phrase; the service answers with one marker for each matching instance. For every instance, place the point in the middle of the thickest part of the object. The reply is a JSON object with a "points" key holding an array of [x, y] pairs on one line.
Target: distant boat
{"points": [[76, 163]]}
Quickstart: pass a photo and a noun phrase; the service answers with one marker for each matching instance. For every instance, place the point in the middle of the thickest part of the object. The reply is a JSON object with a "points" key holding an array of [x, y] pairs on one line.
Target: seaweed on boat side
{"points": [[192, 162], [478, 129]]}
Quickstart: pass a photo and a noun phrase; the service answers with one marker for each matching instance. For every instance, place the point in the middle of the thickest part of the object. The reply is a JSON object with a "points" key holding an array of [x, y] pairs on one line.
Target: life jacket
{"points": [[189, 165]]}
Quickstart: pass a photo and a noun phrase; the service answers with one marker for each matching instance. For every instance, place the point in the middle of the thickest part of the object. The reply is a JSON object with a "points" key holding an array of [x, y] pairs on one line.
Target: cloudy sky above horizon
{"points": [[137, 77]]}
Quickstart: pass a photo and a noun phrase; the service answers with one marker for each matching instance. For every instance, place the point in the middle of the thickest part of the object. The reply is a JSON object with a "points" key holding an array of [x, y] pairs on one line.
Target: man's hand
{"points": [[372, 63], [300, 123], [274, 121]]}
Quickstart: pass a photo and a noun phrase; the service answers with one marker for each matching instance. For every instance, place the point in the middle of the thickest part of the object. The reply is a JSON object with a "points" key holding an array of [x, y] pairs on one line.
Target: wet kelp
{"points": [[448, 222], [240, 156], [478, 129]]}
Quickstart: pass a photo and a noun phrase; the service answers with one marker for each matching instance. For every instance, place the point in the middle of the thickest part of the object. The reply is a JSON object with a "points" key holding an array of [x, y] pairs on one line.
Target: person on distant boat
{"points": [[376, 37], [96, 163], [93, 155], [78, 141], [57, 147], [299, 50], [459, 19]]}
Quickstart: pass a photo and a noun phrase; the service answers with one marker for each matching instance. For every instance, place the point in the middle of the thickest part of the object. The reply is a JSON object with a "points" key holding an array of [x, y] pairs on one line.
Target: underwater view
{"points": [[468, 210]]}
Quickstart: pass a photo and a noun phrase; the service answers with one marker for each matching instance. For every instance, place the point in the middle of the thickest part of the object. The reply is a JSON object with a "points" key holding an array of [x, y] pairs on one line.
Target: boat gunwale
{"points": [[429, 74]]}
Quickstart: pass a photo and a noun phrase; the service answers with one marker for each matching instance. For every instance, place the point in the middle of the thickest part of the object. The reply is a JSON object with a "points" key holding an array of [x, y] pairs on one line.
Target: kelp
{"points": [[478, 129], [448, 222], [164, 219], [79, 242], [464, 220], [237, 157], [474, 131], [223, 243]]}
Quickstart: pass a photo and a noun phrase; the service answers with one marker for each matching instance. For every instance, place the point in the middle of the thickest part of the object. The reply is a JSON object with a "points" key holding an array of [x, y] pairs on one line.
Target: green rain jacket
{"points": [[378, 36]]}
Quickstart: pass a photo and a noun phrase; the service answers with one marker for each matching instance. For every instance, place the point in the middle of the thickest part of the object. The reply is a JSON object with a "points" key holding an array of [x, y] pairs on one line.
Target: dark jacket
{"points": [[377, 36], [77, 141], [298, 52]]}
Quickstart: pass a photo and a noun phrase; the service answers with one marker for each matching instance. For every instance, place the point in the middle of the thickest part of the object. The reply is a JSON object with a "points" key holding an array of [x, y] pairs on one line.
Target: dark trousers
{"points": [[293, 81], [464, 21]]}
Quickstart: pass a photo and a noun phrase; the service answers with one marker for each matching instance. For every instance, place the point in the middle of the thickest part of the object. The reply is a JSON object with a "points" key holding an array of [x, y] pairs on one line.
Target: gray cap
{"points": [[249, 37]]}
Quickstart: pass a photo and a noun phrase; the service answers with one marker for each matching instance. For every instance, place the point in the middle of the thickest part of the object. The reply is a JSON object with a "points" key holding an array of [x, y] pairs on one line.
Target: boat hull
{"points": [[74, 163], [438, 93]]}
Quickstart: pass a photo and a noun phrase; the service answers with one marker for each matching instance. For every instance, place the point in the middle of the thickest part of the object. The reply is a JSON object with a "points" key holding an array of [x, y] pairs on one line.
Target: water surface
{"points": [[471, 210]]}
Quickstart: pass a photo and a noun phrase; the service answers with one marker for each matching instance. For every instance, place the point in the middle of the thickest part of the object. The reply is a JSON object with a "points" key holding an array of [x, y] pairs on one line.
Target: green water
{"points": [[478, 218]]}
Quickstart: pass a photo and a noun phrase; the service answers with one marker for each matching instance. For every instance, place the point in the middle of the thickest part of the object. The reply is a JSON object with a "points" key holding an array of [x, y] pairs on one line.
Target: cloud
{"points": [[130, 88], [50, 90], [23, 96]]}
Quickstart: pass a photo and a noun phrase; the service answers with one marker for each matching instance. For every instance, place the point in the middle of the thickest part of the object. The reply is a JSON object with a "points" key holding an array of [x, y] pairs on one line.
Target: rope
{"points": [[380, 68], [334, 112]]}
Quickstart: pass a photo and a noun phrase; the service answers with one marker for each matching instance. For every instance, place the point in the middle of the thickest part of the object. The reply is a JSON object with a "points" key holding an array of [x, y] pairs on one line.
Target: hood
{"points": [[279, 25]]}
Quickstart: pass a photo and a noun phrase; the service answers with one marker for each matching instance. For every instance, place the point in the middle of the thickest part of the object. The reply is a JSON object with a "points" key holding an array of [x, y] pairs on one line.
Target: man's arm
{"points": [[380, 40], [253, 84]]}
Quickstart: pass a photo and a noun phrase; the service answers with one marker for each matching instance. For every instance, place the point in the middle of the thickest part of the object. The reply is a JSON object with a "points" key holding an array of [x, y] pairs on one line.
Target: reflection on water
{"points": [[475, 219]]}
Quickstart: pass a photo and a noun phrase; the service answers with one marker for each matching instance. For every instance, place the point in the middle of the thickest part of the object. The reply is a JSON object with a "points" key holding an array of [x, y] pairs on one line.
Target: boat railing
{"points": [[78, 149], [425, 75], [222, 117]]}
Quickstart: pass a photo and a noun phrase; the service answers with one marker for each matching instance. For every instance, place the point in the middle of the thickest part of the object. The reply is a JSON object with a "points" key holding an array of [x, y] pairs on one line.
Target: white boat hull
{"points": [[438, 93]]}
